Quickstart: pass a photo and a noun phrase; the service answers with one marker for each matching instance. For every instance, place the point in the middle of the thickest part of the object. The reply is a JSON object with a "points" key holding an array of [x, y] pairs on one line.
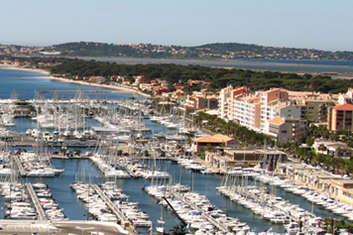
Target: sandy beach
{"points": [[122, 89]]}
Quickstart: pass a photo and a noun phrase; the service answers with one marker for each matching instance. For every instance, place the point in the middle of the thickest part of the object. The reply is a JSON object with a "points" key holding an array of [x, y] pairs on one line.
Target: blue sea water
{"points": [[252, 64], [25, 84]]}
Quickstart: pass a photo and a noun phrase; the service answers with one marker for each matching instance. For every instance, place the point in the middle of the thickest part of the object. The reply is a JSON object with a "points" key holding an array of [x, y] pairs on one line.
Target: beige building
{"points": [[226, 100], [266, 98], [288, 130], [210, 142], [333, 148], [200, 100], [334, 186], [231, 158], [247, 111], [340, 117], [315, 104]]}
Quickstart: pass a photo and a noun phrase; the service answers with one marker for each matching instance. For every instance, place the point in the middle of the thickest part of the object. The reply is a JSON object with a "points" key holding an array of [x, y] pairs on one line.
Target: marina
{"points": [[18, 202], [194, 209], [272, 208], [107, 203], [83, 163]]}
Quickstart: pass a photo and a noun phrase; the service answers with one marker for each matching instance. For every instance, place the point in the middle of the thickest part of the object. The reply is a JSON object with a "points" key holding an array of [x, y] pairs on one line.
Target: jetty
{"points": [[107, 169], [215, 223], [23, 140], [65, 227], [41, 214], [20, 168], [269, 206], [196, 210], [112, 205], [109, 203]]}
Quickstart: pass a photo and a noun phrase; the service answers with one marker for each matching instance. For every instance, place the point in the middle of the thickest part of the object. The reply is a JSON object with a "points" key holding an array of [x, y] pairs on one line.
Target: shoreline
{"points": [[123, 89]]}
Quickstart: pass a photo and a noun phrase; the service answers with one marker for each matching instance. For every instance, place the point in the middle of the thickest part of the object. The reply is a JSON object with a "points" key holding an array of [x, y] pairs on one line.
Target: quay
{"points": [[72, 144], [120, 215], [41, 214], [60, 156], [22, 140], [60, 227]]}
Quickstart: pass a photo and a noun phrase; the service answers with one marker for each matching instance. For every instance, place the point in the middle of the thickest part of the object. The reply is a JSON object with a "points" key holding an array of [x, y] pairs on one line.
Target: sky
{"points": [[319, 24]]}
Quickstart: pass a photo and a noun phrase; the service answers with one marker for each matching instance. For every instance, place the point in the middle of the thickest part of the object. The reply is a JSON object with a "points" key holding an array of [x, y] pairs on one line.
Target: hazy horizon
{"points": [[316, 24], [48, 44]]}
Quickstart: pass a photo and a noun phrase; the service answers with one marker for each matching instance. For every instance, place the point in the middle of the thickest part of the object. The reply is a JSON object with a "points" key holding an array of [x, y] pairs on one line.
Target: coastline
{"points": [[123, 89]]}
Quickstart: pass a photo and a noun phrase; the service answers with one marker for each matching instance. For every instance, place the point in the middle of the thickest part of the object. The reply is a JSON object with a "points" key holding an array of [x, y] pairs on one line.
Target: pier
{"points": [[60, 227], [41, 214], [22, 140], [20, 168], [110, 204], [73, 144], [218, 225]]}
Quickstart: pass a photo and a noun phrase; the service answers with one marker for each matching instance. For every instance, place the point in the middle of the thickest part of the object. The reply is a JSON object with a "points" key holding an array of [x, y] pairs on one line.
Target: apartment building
{"points": [[340, 117], [201, 100], [266, 99], [315, 104], [226, 101], [247, 111], [282, 113], [287, 130]]}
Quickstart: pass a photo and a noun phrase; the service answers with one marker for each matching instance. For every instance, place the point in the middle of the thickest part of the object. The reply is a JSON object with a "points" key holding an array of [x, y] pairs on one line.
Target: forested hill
{"points": [[207, 51]]}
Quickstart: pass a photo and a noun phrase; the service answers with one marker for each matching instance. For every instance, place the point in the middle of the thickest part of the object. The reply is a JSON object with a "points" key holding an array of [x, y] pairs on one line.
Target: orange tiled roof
{"points": [[277, 121], [218, 138], [225, 138], [344, 107]]}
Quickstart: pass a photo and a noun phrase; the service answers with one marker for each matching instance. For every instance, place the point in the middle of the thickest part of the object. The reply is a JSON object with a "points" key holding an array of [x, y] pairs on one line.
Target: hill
{"points": [[207, 51]]}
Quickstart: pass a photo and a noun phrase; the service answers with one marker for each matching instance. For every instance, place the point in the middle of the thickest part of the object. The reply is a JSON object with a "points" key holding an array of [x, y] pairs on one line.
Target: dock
{"points": [[220, 226], [73, 144], [23, 140], [41, 214], [82, 227], [110, 204], [20, 168]]}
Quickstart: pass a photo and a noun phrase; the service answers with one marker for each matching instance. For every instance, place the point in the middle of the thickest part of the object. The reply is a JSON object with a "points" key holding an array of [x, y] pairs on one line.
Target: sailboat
{"points": [[160, 224], [160, 227]]}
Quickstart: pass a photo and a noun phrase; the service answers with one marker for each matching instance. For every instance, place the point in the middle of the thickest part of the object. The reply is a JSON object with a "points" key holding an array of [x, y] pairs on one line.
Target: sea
{"points": [[304, 66], [26, 85]]}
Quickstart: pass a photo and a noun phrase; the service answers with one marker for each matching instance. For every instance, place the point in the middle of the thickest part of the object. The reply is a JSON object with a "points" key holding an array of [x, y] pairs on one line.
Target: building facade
{"points": [[340, 117]]}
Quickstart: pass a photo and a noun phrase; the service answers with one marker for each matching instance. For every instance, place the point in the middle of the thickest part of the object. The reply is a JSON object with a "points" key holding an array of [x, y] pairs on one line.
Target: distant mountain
{"points": [[207, 51]]}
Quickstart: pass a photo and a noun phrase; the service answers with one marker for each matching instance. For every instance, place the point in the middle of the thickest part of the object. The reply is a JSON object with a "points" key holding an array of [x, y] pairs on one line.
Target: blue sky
{"points": [[320, 24]]}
